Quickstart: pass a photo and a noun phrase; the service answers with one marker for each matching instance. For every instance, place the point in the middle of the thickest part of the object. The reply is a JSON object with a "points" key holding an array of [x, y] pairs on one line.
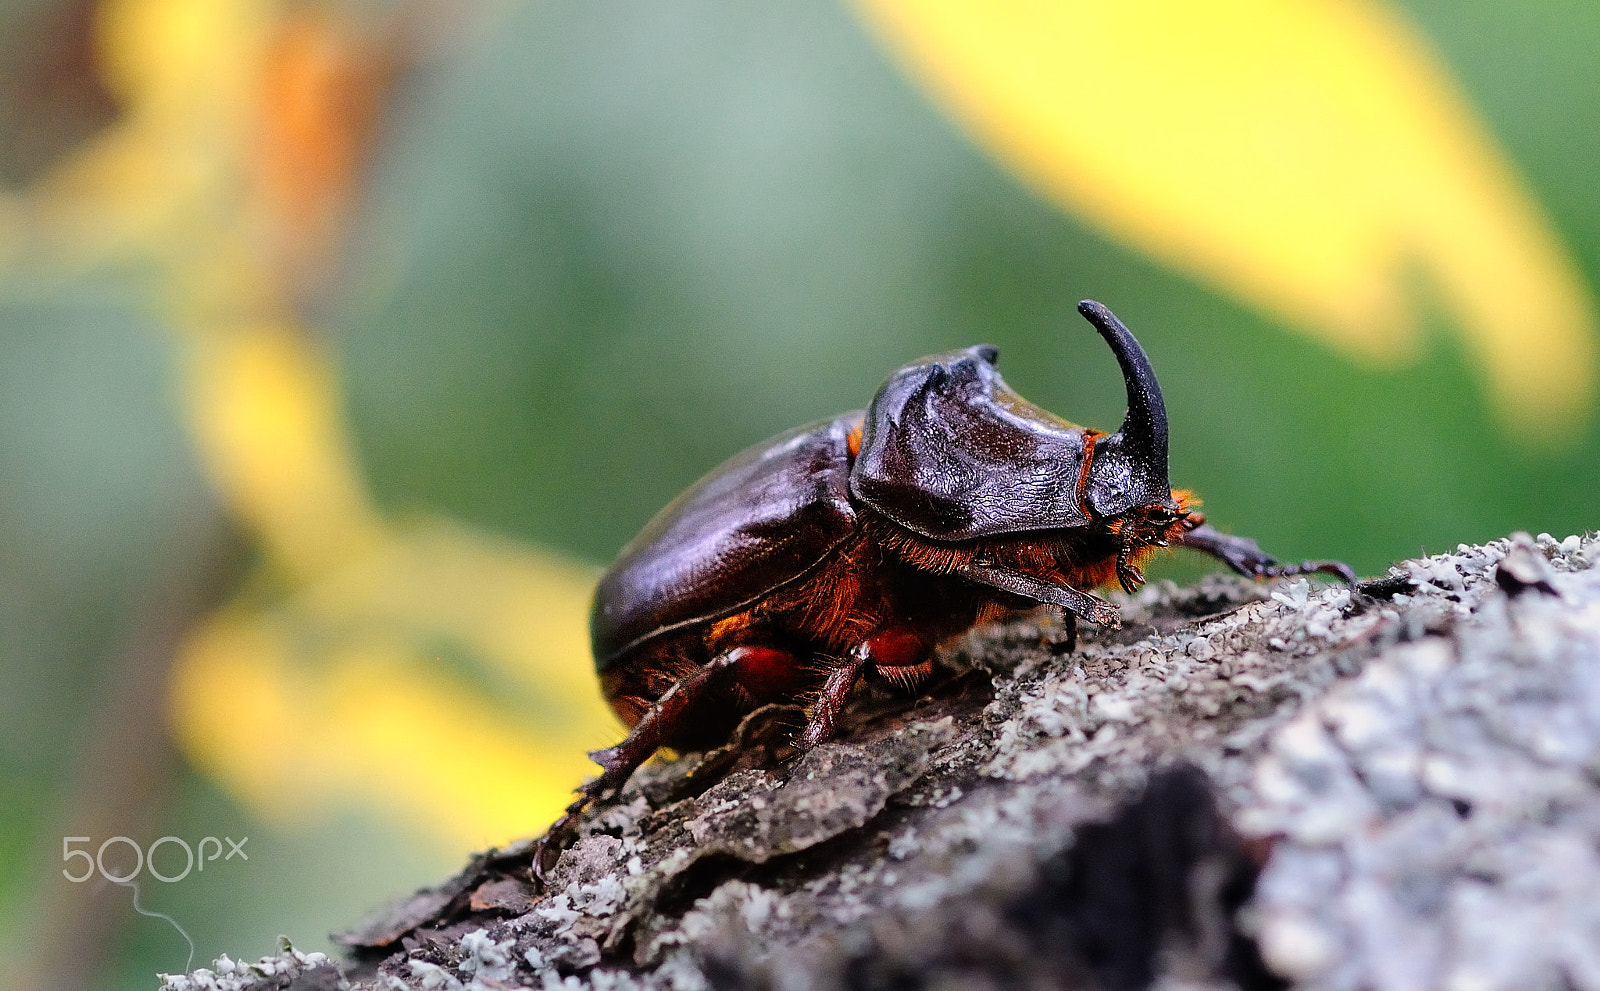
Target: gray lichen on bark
{"points": [[1389, 788]]}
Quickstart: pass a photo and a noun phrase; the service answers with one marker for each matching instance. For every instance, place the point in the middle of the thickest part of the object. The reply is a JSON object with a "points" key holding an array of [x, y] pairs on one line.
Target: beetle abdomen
{"points": [[759, 521]]}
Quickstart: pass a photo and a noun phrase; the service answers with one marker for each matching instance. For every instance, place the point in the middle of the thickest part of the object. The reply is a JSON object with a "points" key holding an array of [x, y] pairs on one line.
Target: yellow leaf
{"points": [[1301, 154]]}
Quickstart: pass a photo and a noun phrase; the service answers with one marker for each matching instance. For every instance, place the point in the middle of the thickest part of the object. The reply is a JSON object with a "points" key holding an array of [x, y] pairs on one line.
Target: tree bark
{"points": [[1389, 787]]}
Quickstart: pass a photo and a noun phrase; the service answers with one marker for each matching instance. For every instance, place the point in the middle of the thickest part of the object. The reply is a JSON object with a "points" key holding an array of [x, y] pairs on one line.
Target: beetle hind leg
{"points": [[663, 724], [1247, 558]]}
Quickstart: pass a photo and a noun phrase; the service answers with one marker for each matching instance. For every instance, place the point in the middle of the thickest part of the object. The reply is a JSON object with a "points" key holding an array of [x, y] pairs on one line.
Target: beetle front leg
{"points": [[1247, 558], [1128, 575], [1096, 610]]}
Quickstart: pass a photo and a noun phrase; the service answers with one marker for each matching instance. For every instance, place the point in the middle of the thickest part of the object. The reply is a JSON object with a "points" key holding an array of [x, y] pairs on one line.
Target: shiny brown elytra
{"points": [[848, 549]]}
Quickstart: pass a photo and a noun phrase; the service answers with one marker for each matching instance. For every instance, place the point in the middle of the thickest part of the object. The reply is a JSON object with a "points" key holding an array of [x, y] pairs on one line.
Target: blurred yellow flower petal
{"points": [[245, 125], [170, 58], [523, 609], [1302, 154], [342, 700], [295, 717], [182, 71], [265, 411]]}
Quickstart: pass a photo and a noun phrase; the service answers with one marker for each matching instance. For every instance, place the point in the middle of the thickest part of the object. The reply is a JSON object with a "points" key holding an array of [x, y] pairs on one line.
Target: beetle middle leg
{"points": [[1069, 643], [1247, 558], [895, 654]]}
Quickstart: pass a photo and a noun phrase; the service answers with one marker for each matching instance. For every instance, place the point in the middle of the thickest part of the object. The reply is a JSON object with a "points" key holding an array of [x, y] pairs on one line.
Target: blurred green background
{"points": [[584, 253]]}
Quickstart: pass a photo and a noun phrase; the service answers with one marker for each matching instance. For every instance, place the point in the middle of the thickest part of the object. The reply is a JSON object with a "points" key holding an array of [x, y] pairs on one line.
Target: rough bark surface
{"points": [[1394, 787]]}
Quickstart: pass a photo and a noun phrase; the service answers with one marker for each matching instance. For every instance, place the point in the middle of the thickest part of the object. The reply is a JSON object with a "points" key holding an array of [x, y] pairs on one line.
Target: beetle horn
{"points": [[1136, 469]]}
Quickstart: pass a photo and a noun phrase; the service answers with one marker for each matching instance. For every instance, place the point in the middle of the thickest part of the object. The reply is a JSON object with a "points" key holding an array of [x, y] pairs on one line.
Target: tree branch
{"points": [[1247, 786]]}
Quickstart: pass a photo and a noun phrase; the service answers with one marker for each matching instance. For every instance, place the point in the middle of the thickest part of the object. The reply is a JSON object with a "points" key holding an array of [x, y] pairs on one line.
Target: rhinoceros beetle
{"points": [[849, 548]]}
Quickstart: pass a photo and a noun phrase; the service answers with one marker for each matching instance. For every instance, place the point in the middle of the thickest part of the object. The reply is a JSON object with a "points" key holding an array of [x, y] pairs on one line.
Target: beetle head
{"points": [[1130, 466]]}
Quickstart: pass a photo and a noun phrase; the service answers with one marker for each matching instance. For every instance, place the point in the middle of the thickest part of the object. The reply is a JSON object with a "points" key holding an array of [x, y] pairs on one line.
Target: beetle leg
{"points": [[1069, 644], [1247, 558], [1096, 610], [897, 653], [825, 716], [1128, 575], [655, 728], [648, 735], [556, 839]]}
